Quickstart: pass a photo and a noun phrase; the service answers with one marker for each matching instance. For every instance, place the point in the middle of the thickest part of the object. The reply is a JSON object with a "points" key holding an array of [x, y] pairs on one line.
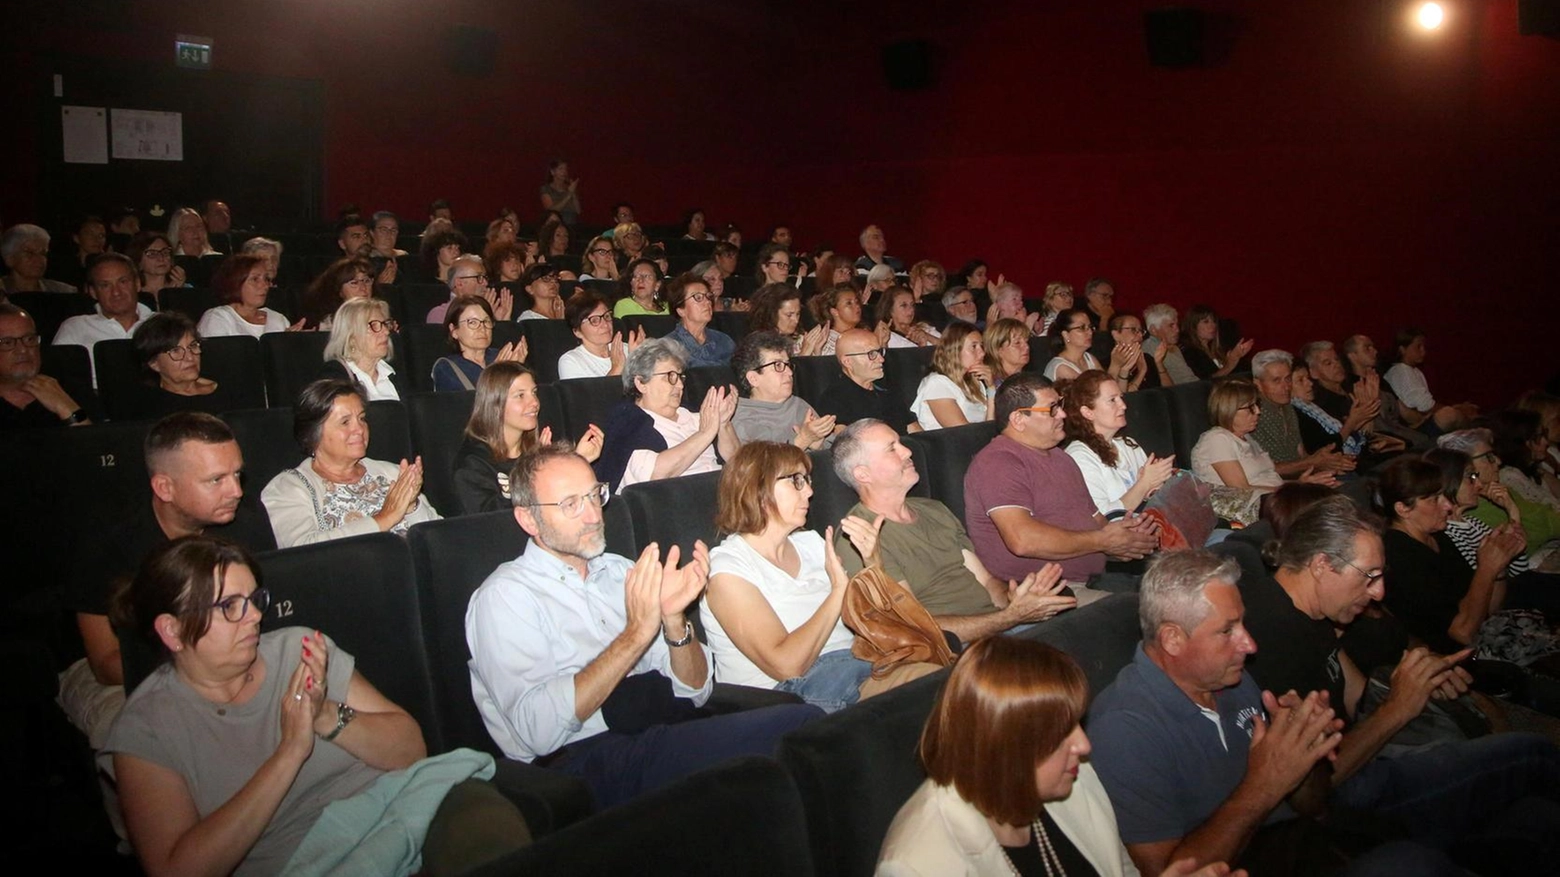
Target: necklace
{"points": [[1048, 856]]}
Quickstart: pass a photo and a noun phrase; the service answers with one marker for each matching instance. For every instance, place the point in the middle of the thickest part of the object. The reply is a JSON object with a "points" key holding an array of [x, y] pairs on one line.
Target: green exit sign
{"points": [[192, 52]]}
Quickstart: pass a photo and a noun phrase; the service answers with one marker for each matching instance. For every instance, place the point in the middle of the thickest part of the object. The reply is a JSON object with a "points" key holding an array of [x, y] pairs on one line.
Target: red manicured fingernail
{"points": [[309, 683], [306, 652]]}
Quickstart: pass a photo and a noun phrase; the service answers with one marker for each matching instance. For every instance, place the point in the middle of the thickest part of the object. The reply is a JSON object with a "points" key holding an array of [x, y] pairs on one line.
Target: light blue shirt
{"points": [[531, 627]]}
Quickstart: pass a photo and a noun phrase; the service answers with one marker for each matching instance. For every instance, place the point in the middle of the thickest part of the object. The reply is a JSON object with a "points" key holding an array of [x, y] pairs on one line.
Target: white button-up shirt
{"points": [[531, 627], [89, 329], [382, 388]]}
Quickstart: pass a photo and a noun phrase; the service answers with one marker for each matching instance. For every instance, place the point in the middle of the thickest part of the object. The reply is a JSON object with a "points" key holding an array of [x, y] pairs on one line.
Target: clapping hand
{"points": [[402, 497], [862, 535], [1039, 596], [387, 273], [1239, 351], [514, 351], [814, 429], [589, 445]]}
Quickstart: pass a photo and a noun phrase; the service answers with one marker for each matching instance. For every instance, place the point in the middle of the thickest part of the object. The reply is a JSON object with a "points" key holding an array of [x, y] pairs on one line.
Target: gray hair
{"points": [[1328, 528], [522, 477], [1172, 591], [1466, 440], [465, 258], [849, 448], [703, 268], [253, 246], [861, 239], [880, 272], [1156, 316], [1006, 289], [953, 293], [643, 359], [1312, 351], [1267, 357], [350, 322], [19, 234]]}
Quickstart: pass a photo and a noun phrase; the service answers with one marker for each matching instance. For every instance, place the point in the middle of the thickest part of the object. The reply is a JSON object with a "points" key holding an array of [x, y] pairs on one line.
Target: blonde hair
{"points": [[945, 359], [351, 323]]}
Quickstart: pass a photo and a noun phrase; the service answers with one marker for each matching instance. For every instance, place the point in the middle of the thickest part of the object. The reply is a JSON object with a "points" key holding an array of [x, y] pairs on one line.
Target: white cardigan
{"points": [[939, 834]]}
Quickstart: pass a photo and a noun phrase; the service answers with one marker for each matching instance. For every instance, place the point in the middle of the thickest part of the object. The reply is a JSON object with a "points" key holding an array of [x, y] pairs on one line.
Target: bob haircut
{"points": [[452, 315], [159, 334], [999, 334], [1006, 707], [1228, 397], [313, 407], [497, 253], [747, 484], [581, 304], [351, 323], [766, 303], [885, 303], [486, 423], [228, 280], [1406, 480], [184, 579], [677, 291], [143, 242], [945, 359]]}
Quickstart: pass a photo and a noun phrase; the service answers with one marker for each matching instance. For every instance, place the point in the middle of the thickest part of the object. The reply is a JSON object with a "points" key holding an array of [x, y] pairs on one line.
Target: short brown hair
{"points": [[747, 484], [1008, 705], [1228, 397], [458, 306], [183, 579], [227, 282]]}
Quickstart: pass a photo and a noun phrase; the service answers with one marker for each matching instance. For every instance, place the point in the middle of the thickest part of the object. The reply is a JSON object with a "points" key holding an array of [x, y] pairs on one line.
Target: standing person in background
{"points": [[561, 192]]}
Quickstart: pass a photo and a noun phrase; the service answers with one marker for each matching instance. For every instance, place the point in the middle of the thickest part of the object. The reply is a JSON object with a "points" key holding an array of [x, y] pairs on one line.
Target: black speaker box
{"points": [[1174, 37], [908, 65], [1538, 17], [470, 50]]}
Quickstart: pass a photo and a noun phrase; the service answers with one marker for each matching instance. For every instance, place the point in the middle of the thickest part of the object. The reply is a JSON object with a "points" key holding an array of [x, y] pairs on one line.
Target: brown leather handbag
{"points": [[892, 627]]}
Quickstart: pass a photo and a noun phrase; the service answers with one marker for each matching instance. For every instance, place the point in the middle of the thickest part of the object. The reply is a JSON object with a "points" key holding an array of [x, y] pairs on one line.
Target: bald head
{"points": [[857, 351]]}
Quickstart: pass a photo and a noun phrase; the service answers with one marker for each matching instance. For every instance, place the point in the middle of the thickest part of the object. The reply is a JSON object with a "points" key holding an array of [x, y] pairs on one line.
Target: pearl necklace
{"points": [[1048, 856]]}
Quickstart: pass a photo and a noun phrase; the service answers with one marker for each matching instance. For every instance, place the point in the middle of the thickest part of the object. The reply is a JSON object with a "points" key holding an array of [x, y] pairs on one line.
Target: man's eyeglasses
{"points": [[781, 366], [872, 355], [481, 277], [387, 229], [1370, 577], [573, 506], [961, 303], [377, 326], [598, 319], [177, 353], [1050, 410], [234, 607], [672, 378], [31, 340], [798, 479], [475, 323]]}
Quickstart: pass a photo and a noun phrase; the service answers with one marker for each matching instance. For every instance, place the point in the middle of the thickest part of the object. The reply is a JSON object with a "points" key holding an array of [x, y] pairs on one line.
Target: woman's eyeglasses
{"points": [[474, 324], [158, 252], [598, 319], [672, 378], [781, 366], [573, 506], [798, 480], [377, 326], [177, 353], [236, 606]]}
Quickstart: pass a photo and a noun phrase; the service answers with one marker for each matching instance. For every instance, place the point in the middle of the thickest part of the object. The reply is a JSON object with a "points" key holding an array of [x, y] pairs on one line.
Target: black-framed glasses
{"points": [[798, 480], [1370, 577], [598, 319], [177, 353], [482, 277], [781, 366], [30, 340], [475, 323], [701, 296], [1076, 328], [601, 251], [1253, 407], [778, 264], [383, 326], [158, 252], [873, 355], [961, 303], [235, 606], [673, 378], [574, 506]]}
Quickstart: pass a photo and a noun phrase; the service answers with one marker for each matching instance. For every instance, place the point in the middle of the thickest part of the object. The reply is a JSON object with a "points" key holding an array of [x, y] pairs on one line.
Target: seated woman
{"points": [[1547, 407], [501, 230], [776, 590], [876, 282], [777, 307], [345, 280], [1071, 335], [640, 290], [1120, 475], [834, 270], [360, 349], [440, 248], [1318, 429], [694, 227], [1058, 297], [469, 322], [690, 301], [552, 240], [243, 286], [505, 262], [630, 241], [601, 351], [153, 256], [768, 411], [1418, 408], [1225, 454], [503, 425], [599, 263], [1438, 596], [338, 491], [1200, 346], [187, 229], [1126, 329], [958, 388], [974, 276], [896, 309], [1539, 523], [1007, 302], [227, 754], [1522, 444], [1041, 809], [650, 436], [1464, 489], [541, 284], [1007, 349], [839, 308], [270, 251], [168, 347]]}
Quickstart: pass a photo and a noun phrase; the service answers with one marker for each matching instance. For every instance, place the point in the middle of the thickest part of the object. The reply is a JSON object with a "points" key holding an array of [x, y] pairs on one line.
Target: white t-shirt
{"points": [[794, 600], [1072, 371], [581, 363], [1219, 445], [1108, 484], [222, 321], [939, 386]]}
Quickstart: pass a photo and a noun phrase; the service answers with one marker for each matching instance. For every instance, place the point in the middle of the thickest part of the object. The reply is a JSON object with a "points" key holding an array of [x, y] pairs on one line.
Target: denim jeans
{"points": [[832, 683]]}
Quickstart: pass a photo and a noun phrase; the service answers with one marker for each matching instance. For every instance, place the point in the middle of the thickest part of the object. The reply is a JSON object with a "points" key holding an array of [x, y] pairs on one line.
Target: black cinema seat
{"points": [[813, 375], [438, 427], [655, 325], [71, 365], [232, 361], [290, 361], [546, 340], [588, 400], [1188, 417], [832, 498], [673, 511], [1148, 422], [903, 370]]}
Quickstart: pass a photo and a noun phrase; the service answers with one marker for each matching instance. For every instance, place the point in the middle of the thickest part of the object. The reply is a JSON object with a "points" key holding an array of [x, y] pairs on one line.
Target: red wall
{"points": [[1330, 171]]}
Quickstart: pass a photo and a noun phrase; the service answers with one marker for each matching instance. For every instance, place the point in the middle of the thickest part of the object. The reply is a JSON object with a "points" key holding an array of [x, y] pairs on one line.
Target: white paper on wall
{"points": [[148, 134], [85, 132]]}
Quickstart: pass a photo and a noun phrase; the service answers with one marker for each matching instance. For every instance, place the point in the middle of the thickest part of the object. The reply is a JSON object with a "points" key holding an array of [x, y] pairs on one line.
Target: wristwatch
{"points": [[344, 715], [679, 643]]}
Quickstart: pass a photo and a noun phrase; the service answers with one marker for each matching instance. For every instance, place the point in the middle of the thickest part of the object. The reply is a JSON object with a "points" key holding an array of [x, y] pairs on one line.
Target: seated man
{"points": [[31, 399], [959, 304], [585, 662], [356, 242], [856, 392], [1278, 425], [874, 252], [468, 276], [1026, 503], [115, 284], [194, 463], [923, 544], [1506, 785], [1195, 757], [1361, 358], [219, 224]]}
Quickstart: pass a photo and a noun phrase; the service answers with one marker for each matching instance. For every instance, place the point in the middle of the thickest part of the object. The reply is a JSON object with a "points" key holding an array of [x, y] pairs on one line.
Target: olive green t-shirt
{"points": [[928, 555]]}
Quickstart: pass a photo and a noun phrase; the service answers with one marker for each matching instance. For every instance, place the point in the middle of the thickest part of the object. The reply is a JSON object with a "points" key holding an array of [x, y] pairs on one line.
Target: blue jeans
{"points": [[1498, 795], [832, 683]]}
